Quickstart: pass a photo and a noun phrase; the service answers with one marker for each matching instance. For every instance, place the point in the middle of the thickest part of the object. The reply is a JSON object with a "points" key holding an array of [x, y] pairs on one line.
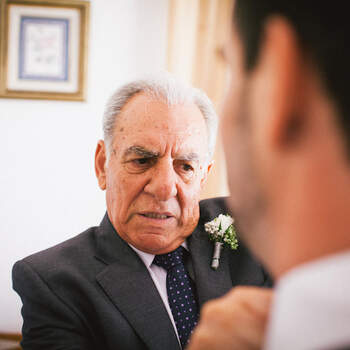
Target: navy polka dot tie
{"points": [[181, 292]]}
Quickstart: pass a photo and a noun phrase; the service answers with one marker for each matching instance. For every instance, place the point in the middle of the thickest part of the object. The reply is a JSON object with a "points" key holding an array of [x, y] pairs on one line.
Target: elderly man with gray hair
{"points": [[139, 279]]}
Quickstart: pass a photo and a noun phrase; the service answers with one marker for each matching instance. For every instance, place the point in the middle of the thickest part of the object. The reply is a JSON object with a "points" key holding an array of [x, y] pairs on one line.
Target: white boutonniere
{"points": [[222, 232]]}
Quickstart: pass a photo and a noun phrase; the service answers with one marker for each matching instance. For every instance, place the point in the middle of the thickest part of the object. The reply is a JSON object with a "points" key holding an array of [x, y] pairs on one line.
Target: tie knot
{"points": [[171, 259]]}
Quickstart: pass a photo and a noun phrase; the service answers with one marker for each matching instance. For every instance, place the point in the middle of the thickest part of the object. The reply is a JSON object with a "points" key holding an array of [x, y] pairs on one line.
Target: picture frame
{"points": [[43, 49]]}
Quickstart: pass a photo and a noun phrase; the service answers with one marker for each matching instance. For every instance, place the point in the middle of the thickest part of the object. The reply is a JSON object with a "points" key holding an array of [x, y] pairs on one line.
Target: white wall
{"points": [[48, 191]]}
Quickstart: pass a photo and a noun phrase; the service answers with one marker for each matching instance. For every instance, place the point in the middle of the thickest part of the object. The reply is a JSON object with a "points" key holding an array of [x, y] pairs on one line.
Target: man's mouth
{"points": [[159, 216]]}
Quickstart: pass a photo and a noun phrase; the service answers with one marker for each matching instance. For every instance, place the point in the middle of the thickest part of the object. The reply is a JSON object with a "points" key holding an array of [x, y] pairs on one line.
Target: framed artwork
{"points": [[43, 49]]}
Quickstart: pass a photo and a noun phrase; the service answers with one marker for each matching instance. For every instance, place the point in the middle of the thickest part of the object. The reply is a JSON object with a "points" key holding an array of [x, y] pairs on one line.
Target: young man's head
{"points": [[286, 128]]}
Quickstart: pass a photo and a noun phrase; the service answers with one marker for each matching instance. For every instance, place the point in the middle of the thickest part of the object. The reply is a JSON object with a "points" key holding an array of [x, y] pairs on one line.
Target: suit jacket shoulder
{"points": [[91, 292]]}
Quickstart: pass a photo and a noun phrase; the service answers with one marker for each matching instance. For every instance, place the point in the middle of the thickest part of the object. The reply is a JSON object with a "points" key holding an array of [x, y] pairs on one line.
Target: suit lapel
{"points": [[210, 283], [128, 284]]}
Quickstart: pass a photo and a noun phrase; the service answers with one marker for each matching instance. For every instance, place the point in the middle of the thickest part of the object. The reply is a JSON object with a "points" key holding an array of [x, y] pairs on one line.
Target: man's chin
{"points": [[154, 243], [242, 219], [234, 206]]}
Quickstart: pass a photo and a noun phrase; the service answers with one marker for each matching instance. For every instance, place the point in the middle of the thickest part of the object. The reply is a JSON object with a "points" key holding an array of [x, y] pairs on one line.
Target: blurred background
{"points": [[48, 190]]}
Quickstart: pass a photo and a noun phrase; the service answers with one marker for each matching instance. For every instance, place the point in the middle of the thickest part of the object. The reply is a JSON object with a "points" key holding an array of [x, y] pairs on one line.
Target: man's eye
{"points": [[142, 161], [187, 167], [139, 164]]}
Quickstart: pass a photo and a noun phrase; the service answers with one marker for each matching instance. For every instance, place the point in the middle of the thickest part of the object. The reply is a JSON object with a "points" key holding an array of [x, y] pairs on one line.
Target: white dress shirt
{"points": [[158, 275], [311, 307]]}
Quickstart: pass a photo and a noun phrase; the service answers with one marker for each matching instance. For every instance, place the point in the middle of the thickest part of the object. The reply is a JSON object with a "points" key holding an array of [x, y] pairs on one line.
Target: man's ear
{"points": [[206, 173], [278, 85], [100, 164]]}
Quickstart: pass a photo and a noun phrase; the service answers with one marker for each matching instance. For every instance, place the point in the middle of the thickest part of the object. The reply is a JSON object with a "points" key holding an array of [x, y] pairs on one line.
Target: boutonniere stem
{"points": [[222, 232], [216, 256]]}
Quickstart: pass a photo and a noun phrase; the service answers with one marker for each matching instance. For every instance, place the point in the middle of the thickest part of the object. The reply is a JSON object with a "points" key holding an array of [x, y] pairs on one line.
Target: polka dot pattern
{"points": [[181, 292]]}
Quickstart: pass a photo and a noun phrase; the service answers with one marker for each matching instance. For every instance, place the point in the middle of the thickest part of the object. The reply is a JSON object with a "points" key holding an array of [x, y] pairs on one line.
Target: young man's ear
{"points": [[100, 164], [278, 84]]}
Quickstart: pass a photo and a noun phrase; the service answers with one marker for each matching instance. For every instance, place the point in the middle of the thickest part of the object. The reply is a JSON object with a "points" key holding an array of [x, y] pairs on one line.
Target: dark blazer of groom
{"points": [[94, 292]]}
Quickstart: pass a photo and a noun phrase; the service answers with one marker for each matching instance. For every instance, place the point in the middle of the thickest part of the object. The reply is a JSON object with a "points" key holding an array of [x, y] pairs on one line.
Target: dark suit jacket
{"points": [[94, 292]]}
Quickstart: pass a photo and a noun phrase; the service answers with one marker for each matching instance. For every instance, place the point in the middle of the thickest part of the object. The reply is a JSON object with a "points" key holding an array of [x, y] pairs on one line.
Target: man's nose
{"points": [[162, 184]]}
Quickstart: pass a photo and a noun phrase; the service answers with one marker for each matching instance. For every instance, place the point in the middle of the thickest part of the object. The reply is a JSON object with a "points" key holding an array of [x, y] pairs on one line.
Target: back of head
{"points": [[288, 127], [322, 29]]}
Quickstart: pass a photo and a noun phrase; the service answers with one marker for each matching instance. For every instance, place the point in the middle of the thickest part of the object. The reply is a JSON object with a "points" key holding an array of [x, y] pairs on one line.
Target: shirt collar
{"points": [[148, 258]]}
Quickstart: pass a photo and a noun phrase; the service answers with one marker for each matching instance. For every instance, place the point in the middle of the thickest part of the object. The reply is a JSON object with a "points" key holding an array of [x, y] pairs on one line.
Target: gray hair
{"points": [[165, 88]]}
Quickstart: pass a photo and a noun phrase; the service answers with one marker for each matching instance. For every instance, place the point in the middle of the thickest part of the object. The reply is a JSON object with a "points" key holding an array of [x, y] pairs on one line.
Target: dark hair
{"points": [[323, 30]]}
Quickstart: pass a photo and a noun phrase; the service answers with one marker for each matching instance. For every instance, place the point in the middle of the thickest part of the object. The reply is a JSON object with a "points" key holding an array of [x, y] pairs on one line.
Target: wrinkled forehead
{"points": [[149, 121], [142, 109]]}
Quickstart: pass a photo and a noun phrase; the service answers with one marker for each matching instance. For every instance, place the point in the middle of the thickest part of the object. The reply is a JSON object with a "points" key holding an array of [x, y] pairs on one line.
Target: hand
{"points": [[235, 321]]}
